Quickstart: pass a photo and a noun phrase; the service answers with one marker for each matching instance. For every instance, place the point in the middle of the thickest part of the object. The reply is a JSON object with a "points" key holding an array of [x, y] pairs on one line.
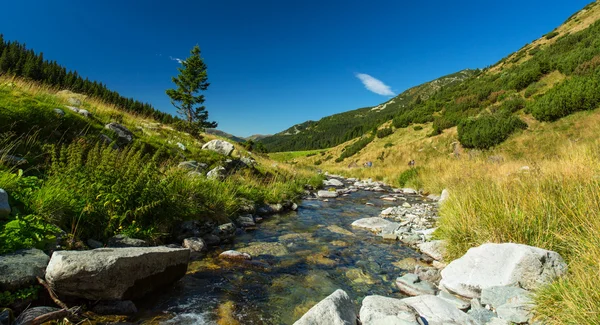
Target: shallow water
{"points": [[314, 252]]}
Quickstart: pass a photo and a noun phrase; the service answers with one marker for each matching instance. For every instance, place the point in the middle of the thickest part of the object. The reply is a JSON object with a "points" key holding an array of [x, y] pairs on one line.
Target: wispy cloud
{"points": [[375, 85], [180, 61]]}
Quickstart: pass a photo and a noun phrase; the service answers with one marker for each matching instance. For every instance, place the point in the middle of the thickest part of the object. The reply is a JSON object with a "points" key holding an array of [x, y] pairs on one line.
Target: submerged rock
{"points": [[336, 309], [492, 265], [115, 273], [374, 224], [219, 146], [235, 255], [265, 248], [379, 310], [20, 269]]}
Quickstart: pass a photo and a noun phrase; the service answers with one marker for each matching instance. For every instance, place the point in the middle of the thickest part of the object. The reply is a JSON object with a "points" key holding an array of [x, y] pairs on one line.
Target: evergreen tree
{"points": [[188, 100]]}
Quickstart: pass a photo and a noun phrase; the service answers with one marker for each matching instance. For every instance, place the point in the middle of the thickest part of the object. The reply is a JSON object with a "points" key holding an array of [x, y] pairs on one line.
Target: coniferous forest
{"points": [[16, 59]]}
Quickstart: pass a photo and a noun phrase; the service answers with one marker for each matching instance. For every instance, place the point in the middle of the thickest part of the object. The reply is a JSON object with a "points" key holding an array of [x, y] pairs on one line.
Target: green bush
{"points": [[354, 148], [417, 128], [533, 89], [318, 162], [513, 104], [575, 94], [388, 145], [409, 175], [382, 133], [488, 130], [551, 35]]}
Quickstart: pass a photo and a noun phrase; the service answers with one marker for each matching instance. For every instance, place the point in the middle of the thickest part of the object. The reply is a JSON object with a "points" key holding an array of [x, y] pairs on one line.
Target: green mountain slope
{"points": [[339, 128], [549, 78]]}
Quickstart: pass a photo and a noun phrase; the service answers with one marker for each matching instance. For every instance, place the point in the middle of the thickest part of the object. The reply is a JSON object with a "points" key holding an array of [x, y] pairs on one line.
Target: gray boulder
{"points": [[124, 241], [59, 112], [192, 165], [374, 224], [216, 173], [125, 136], [333, 182], [245, 221], [492, 265], [379, 310], [74, 101], [235, 255], [85, 113], [481, 314], [337, 309], [511, 303], [327, 194], [444, 196], [20, 269], [457, 302], [4, 206], [194, 244], [437, 311], [219, 146], [92, 243], [115, 273], [411, 285], [435, 248], [429, 274]]}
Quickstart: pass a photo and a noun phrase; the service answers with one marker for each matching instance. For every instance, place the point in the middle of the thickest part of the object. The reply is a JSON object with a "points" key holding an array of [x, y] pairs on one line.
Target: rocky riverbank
{"points": [[490, 285]]}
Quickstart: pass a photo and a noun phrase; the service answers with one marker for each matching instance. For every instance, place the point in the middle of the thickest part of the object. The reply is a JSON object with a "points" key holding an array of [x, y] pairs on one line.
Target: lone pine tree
{"points": [[188, 100]]}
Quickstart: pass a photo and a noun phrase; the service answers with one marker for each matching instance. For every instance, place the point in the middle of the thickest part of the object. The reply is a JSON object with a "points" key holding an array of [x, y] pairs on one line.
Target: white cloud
{"points": [[180, 61], [375, 85]]}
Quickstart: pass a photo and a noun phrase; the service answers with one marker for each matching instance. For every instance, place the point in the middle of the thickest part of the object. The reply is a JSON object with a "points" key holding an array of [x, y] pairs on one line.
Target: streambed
{"points": [[299, 258]]}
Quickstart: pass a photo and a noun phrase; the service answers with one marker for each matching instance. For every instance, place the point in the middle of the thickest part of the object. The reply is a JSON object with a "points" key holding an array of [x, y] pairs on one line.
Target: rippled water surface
{"points": [[308, 254]]}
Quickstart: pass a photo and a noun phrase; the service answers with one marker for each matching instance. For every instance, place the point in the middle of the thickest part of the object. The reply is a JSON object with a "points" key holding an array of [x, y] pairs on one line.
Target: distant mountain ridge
{"points": [[339, 128], [225, 135]]}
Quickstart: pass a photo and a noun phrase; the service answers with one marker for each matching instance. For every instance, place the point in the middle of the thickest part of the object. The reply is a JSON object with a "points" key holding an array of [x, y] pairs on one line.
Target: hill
{"points": [[225, 135], [335, 129]]}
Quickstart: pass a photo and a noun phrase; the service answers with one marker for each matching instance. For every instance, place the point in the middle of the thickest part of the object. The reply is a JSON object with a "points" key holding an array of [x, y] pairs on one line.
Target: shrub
{"points": [[409, 175], [352, 149], [576, 94], [382, 133], [551, 35], [388, 145], [513, 104], [318, 162], [533, 89], [417, 128], [488, 130]]}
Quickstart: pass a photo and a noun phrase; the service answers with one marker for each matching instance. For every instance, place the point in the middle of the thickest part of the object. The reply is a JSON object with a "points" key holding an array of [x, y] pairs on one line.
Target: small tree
{"points": [[192, 79]]}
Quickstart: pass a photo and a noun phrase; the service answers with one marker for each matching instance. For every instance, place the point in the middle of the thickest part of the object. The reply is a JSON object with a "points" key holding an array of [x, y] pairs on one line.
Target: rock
{"points": [[211, 239], [268, 209], [4, 206], [192, 165], [6, 316], [115, 273], [444, 196], [245, 221], [294, 207], [125, 136], [500, 295], [194, 244], [20, 269], [265, 248], [393, 211], [235, 255], [482, 315], [435, 248], [124, 241], [409, 191], [497, 321], [333, 182], [492, 265], [94, 244], [181, 146], [249, 162], [391, 199], [433, 197], [337, 309], [516, 312], [59, 112], [12, 160], [74, 101], [84, 113], [457, 302], [411, 285], [219, 146], [216, 173], [327, 194], [73, 109], [193, 228], [406, 205], [429, 274], [374, 224], [339, 230], [378, 310], [411, 239], [437, 311], [115, 307]]}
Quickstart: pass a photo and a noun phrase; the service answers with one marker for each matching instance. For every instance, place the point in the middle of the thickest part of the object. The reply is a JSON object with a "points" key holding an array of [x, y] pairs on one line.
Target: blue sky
{"points": [[272, 63]]}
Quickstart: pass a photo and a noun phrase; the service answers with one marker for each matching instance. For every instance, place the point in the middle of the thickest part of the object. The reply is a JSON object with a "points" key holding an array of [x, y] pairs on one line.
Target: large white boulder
{"points": [[374, 224], [219, 146], [508, 264], [333, 182], [115, 273], [378, 310], [437, 311], [336, 309], [435, 248], [327, 194]]}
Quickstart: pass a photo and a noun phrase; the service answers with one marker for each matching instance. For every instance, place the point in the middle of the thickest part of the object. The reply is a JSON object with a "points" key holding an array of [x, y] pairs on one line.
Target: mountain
{"points": [[257, 137], [335, 129], [550, 78], [225, 135]]}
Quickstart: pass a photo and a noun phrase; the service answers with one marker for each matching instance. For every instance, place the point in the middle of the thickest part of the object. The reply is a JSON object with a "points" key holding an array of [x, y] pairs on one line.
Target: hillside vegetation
{"points": [[516, 145], [67, 179]]}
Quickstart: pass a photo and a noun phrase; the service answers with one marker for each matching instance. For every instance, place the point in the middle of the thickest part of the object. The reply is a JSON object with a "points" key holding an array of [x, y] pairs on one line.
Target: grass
{"points": [[291, 155]]}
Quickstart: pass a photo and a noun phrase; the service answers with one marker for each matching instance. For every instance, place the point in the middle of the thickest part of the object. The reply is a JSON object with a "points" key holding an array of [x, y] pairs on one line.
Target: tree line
{"points": [[17, 60]]}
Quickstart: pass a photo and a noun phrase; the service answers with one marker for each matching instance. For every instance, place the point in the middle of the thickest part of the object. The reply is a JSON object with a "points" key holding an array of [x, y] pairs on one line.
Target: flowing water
{"points": [[306, 255]]}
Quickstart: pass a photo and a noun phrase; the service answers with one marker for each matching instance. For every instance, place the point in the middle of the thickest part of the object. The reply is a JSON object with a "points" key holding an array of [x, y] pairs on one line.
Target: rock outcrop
{"points": [[124, 135], [219, 146], [115, 273]]}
